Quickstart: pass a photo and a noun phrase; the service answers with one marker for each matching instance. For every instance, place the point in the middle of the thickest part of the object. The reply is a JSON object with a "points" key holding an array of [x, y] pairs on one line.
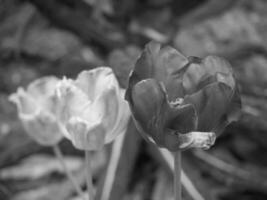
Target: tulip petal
{"points": [[157, 118], [123, 117], [211, 104], [85, 135], [199, 72], [36, 108], [42, 91], [170, 66], [95, 81], [73, 101], [25, 104], [162, 64], [144, 66], [214, 64], [175, 142], [43, 128], [108, 108], [232, 113], [148, 104], [184, 119], [43, 86]]}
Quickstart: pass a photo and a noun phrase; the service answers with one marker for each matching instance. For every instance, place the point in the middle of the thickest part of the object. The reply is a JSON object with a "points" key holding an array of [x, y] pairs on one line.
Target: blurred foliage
{"points": [[63, 37]]}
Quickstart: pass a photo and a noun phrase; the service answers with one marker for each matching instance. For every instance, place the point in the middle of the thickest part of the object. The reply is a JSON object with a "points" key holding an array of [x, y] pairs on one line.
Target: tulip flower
{"points": [[92, 108], [37, 110], [179, 102], [93, 111]]}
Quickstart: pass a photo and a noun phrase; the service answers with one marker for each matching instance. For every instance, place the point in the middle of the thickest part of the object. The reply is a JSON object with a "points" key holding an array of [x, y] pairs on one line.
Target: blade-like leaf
{"points": [[118, 172]]}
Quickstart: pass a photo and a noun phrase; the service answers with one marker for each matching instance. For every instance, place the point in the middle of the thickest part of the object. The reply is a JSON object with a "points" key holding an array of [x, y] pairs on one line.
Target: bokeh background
{"points": [[63, 37]]}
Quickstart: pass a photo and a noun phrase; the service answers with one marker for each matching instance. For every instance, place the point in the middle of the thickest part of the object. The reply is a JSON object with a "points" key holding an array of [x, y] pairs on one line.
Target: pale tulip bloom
{"points": [[37, 110], [92, 109]]}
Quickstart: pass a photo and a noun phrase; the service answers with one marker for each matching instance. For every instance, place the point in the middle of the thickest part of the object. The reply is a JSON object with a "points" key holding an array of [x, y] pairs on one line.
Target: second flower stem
{"points": [[89, 174], [177, 175], [60, 157]]}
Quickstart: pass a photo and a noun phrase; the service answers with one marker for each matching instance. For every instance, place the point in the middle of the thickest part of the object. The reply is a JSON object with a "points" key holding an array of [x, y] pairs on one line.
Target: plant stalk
{"points": [[89, 175], [59, 155], [177, 175]]}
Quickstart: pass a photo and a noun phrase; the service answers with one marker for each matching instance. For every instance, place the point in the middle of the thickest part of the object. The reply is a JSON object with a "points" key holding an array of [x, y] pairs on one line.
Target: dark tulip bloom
{"points": [[177, 102]]}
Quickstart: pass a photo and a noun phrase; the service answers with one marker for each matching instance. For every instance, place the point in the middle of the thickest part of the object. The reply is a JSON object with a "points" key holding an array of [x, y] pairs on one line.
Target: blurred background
{"points": [[63, 37]]}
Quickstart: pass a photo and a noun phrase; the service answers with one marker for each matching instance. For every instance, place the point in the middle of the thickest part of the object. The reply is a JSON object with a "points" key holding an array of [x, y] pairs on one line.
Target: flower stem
{"points": [[59, 155], [177, 176], [89, 175]]}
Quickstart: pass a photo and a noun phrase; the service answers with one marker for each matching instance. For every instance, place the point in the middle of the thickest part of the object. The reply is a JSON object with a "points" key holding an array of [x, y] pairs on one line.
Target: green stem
{"points": [[177, 175], [112, 167], [89, 175], [59, 155]]}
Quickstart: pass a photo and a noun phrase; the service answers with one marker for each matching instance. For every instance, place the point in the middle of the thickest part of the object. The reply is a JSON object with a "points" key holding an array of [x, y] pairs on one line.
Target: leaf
{"points": [[166, 158], [38, 166], [115, 181]]}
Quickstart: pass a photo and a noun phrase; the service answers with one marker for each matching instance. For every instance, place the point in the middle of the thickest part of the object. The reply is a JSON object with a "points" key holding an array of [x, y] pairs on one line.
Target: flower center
{"points": [[177, 101]]}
